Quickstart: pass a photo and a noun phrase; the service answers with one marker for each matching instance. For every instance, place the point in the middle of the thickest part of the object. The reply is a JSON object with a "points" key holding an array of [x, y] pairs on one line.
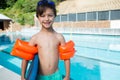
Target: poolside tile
{"points": [[6, 74]]}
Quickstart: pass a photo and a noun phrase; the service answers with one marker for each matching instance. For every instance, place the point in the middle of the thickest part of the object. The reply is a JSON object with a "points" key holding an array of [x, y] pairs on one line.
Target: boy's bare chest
{"points": [[48, 41]]}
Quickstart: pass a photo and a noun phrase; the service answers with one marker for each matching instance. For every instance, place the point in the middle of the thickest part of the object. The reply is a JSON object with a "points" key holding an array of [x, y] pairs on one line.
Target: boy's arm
{"points": [[24, 67], [67, 62], [67, 66], [25, 62]]}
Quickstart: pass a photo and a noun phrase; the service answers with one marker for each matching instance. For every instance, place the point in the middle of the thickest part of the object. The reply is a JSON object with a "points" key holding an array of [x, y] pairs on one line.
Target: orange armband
{"points": [[67, 51], [23, 50]]}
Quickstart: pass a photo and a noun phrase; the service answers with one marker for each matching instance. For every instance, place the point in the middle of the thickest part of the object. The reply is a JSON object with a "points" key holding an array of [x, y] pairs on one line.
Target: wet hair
{"points": [[42, 5]]}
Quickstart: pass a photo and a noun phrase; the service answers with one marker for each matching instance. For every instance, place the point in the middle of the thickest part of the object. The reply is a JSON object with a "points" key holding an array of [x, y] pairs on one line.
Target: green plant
{"points": [[21, 11]]}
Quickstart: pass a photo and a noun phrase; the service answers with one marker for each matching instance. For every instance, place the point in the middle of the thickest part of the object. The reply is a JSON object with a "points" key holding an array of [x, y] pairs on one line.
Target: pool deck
{"points": [[6, 74]]}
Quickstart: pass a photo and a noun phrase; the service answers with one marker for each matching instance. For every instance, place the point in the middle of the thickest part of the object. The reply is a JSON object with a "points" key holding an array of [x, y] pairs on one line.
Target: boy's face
{"points": [[47, 18]]}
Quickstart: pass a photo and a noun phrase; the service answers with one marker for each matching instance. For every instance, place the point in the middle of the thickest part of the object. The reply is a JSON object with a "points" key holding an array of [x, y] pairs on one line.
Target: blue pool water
{"points": [[97, 56]]}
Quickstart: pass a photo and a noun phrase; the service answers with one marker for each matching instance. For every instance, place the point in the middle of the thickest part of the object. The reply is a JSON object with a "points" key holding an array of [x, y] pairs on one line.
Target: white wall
{"points": [[115, 24]]}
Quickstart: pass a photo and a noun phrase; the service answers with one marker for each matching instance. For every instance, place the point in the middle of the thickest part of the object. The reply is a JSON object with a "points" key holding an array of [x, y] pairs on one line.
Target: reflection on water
{"points": [[89, 69], [10, 38], [4, 40], [7, 40]]}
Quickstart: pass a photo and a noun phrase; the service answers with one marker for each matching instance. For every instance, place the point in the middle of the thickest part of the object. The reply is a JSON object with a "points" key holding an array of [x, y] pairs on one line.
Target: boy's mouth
{"points": [[47, 23]]}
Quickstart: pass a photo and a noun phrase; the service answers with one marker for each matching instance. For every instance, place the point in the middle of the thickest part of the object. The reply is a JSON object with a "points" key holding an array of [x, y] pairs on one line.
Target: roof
{"points": [[79, 6], [3, 17]]}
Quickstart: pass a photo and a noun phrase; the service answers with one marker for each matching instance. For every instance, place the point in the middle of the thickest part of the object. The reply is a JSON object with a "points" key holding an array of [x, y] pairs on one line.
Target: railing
{"points": [[101, 31]]}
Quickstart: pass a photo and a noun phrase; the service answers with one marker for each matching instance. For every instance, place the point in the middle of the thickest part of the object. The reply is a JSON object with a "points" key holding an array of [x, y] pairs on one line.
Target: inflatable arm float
{"points": [[67, 51], [23, 50]]}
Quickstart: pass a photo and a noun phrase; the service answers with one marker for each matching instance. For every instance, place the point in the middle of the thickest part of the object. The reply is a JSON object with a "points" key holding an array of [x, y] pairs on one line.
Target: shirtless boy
{"points": [[47, 41]]}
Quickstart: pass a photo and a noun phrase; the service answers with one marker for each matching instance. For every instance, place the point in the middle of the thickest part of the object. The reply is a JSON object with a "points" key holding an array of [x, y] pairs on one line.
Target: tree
{"points": [[3, 4], [6, 3], [10, 3], [29, 6]]}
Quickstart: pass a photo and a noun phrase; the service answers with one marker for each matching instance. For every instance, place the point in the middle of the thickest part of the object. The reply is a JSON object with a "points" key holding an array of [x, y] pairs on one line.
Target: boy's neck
{"points": [[47, 30]]}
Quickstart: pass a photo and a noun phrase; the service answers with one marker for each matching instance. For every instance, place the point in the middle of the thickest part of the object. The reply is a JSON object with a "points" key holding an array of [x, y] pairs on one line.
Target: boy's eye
{"points": [[50, 15], [42, 15], [47, 15]]}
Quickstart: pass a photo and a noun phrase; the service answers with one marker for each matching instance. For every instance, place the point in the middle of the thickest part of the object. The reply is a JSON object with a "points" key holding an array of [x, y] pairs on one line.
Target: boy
{"points": [[47, 41]]}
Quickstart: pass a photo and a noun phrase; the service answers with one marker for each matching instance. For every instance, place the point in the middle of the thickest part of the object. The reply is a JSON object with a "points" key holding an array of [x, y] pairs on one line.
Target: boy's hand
{"points": [[23, 79], [66, 78]]}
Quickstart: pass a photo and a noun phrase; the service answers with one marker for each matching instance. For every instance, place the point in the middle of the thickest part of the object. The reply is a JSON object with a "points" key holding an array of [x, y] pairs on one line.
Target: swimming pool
{"points": [[96, 57]]}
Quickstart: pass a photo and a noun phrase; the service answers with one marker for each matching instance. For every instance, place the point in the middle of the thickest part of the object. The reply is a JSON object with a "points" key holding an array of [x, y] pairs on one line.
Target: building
{"points": [[89, 13], [4, 22]]}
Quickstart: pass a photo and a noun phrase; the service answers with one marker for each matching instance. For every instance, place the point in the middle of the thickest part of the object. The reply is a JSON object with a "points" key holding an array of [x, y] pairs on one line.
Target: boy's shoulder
{"points": [[60, 36], [36, 35]]}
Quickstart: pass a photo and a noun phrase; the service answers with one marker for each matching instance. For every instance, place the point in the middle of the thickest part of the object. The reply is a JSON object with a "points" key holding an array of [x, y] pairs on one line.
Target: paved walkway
{"points": [[6, 74]]}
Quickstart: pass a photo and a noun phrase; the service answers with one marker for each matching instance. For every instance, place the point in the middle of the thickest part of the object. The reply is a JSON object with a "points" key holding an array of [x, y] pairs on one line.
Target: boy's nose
{"points": [[46, 18]]}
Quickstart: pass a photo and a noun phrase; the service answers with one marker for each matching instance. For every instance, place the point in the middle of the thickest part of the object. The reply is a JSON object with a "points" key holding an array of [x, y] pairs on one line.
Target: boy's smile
{"points": [[47, 18]]}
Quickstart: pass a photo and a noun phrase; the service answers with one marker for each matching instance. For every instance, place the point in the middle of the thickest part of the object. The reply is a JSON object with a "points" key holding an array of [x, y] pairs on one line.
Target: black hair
{"points": [[43, 5]]}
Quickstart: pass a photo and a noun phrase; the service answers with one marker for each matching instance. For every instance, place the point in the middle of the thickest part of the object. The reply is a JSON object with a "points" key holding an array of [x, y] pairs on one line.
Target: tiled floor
{"points": [[6, 74]]}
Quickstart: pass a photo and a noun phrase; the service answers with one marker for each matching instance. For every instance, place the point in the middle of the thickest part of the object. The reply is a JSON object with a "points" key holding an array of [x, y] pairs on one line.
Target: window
{"points": [[57, 19], [63, 18], [115, 15], [91, 16], [72, 17], [81, 16], [103, 15]]}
